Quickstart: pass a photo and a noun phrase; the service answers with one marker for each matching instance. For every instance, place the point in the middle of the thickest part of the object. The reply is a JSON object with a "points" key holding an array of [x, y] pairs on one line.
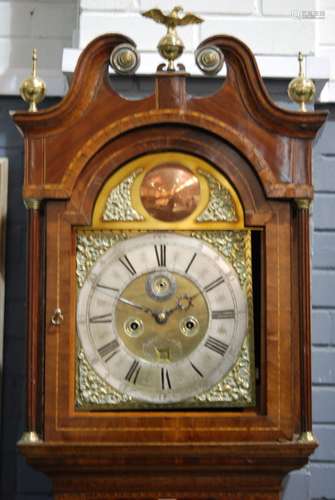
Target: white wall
{"points": [[326, 45], [45, 24], [261, 24], [275, 31]]}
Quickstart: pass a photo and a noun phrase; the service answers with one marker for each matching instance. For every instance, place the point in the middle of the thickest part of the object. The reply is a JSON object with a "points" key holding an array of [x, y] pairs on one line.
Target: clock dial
{"points": [[162, 317]]}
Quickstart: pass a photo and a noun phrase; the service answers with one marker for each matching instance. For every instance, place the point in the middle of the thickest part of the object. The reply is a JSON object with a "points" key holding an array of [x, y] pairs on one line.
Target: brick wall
{"points": [[270, 28], [254, 21], [323, 461], [44, 24], [326, 44], [18, 481]]}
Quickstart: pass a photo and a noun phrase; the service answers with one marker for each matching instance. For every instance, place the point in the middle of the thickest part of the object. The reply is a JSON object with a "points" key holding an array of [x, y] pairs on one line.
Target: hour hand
{"points": [[184, 302]]}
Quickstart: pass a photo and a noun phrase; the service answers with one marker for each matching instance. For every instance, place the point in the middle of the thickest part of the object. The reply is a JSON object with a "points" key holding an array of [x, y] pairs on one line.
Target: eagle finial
{"points": [[171, 46]]}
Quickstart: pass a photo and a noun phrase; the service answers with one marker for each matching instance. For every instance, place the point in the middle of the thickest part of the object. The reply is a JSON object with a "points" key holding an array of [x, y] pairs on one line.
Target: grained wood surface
{"points": [[304, 285], [33, 339], [265, 152], [240, 112], [218, 472]]}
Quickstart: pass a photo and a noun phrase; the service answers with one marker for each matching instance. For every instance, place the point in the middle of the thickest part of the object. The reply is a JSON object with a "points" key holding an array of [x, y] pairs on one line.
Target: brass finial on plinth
{"points": [[301, 90], [33, 89], [171, 46]]}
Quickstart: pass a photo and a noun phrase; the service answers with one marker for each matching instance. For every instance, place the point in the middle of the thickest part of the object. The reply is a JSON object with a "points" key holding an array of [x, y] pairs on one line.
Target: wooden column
{"points": [[304, 284], [33, 330]]}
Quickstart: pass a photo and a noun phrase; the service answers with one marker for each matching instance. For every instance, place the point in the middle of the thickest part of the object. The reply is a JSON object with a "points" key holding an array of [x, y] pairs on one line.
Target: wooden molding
{"points": [[242, 62], [253, 470], [250, 120]]}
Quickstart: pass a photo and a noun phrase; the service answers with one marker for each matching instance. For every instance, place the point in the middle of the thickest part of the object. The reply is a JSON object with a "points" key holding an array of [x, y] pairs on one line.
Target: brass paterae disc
{"points": [[209, 59], [170, 192], [124, 59]]}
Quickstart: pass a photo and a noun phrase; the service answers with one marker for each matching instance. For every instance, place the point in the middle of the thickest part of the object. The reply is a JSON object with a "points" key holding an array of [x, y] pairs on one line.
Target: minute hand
{"points": [[137, 306]]}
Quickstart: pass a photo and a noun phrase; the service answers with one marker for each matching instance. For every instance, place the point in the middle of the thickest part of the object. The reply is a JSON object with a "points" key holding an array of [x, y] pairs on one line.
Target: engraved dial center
{"points": [[168, 332]]}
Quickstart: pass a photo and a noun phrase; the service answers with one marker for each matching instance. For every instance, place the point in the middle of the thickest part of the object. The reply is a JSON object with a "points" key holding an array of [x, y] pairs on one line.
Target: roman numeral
{"points": [[214, 284], [216, 345], [103, 318], [165, 379], [133, 372], [224, 314], [109, 350], [190, 263], [196, 369], [161, 255], [127, 264]]}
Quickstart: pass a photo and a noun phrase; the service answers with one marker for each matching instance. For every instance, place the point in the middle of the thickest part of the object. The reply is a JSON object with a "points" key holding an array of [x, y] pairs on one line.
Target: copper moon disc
{"points": [[170, 192]]}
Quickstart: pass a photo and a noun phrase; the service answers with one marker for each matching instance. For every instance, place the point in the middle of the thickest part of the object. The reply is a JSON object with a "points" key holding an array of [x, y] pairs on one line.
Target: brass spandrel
{"points": [[92, 390], [221, 206], [119, 206], [90, 246], [236, 387], [234, 247]]}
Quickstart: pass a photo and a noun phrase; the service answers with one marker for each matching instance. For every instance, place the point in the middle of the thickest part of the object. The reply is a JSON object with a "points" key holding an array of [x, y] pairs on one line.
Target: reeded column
{"points": [[304, 284], [33, 319]]}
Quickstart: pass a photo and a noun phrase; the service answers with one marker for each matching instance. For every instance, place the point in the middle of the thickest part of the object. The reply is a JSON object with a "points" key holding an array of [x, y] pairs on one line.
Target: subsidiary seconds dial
{"points": [[162, 317]]}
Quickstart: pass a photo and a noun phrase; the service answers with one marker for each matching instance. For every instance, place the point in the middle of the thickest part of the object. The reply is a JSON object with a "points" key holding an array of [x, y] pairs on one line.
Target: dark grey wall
{"points": [[18, 481], [317, 480]]}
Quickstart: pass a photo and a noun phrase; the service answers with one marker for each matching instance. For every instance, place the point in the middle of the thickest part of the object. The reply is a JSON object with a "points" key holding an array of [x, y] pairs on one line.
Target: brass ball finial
{"points": [[33, 88], [301, 89]]}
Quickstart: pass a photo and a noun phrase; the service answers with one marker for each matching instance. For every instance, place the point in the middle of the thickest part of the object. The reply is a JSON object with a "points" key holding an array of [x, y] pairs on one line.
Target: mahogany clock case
{"points": [[60, 223], [72, 150]]}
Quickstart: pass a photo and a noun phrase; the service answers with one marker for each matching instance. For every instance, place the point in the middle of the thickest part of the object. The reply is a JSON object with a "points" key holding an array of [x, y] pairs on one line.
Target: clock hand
{"points": [[181, 304], [160, 317], [137, 306]]}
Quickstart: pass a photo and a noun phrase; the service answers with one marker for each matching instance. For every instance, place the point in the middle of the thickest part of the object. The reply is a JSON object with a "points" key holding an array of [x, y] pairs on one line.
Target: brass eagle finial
{"points": [[171, 46]]}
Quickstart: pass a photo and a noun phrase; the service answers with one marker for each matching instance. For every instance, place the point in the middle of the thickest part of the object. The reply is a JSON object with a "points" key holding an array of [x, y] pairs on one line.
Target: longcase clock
{"points": [[168, 286]]}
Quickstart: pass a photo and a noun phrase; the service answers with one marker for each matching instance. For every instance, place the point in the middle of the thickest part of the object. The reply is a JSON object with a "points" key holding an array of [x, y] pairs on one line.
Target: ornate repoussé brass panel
{"points": [[180, 195]]}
